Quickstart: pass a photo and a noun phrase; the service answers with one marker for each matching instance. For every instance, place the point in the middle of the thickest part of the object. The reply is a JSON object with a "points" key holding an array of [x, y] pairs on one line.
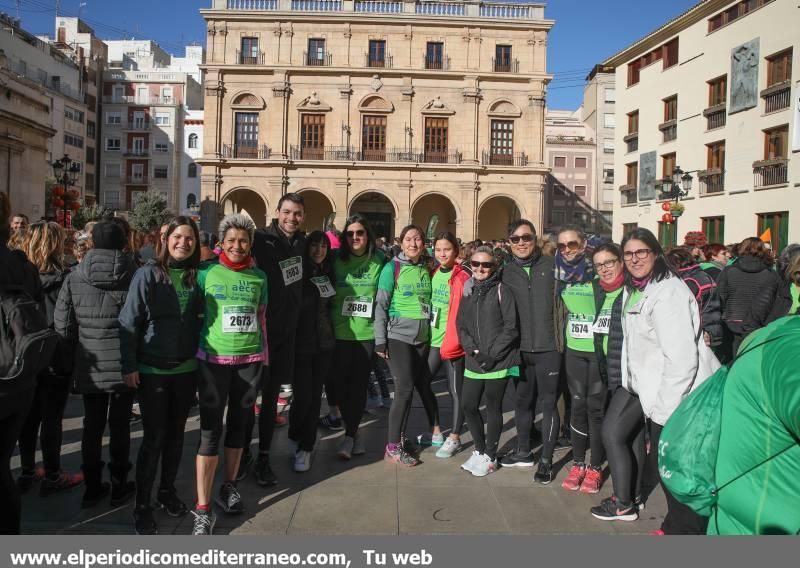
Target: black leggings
{"points": [[13, 411], [234, 385], [352, 364], [455, 383], [588, 394], [623, 438], [46, 411], [270, 388], [311, 371], [538, 376], [100, 409], [409, 365], [494, 391], [165, 401]]}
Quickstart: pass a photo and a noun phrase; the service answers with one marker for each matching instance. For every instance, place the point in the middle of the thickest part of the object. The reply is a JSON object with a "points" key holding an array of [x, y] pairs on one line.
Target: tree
{"points": [[150, 212], [87, 214]]}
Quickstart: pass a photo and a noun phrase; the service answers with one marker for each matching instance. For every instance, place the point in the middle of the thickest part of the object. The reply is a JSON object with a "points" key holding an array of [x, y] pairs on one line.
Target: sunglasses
{"points": [[572, 245], [477, 264], [526, 238], [358, 233]]}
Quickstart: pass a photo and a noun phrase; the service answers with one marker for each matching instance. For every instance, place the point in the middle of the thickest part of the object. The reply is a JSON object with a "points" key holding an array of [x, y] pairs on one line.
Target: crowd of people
{"points": [[620, 333]]}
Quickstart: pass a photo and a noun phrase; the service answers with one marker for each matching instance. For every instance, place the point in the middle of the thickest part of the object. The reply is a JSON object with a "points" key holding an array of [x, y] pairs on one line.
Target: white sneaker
{"points": [[358, 445], [471, 462], [302, 461], [345, 451], [449, 448], [483, 466]]}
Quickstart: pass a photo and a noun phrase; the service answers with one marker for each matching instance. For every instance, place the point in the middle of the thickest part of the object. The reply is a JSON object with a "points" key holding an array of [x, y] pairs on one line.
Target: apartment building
{"points": [[190, 169], [712, 92], [599, 115], [401, 110]]}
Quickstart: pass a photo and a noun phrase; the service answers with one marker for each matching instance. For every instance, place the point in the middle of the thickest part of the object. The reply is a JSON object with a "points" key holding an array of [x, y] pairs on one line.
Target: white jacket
{"points": [[664, 355]]}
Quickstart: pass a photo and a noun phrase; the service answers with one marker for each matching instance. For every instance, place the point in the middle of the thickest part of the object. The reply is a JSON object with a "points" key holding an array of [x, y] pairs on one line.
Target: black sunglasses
{"points": [[526, 238], [477, 264], [357, 233]]}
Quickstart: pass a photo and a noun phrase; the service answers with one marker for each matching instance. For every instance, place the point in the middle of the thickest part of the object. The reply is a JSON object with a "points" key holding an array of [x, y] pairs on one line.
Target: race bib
{"points": [[324, 286], [579, 328], [603, 323], [434, 316], [239, 319], [292, 269], [426, 311], [357, 307]]}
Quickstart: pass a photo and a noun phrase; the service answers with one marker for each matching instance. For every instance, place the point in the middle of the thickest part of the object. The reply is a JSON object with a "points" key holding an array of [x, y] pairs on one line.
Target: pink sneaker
{"points": [[658, 532], [593, 480], [574, 478]]}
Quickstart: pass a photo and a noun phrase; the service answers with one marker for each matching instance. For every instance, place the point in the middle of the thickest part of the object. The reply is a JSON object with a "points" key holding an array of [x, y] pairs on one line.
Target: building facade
{"points": [[599, 116], [190, 169], [404, 111], [712, 92]]}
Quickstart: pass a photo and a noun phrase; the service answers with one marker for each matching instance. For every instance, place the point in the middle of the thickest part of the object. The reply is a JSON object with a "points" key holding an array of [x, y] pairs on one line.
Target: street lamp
{"points": [[678, 186], [66, 172]]}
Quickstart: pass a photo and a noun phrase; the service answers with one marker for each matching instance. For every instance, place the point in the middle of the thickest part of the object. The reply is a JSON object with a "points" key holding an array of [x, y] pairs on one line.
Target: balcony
{"points": [[138, 125], [318, 60], [384, 62], [141, 101], [770, 172], [242, 152], [137, 180], [326, 153], [712, 181], [669, 129], [628, 192], [505, 65], [437, 63], [631, 142], [250, 58], [491, 158], [136, 153], [716, 116], [777, 97], [394, 155]]}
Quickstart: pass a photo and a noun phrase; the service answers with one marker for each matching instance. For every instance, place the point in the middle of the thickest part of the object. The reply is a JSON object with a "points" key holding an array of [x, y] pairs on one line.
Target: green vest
{"points": [[579, 300]]}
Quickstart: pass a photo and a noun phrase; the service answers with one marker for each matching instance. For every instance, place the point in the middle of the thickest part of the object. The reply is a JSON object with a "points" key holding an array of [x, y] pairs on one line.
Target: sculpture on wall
{"points": [[744, 76], [647, 176]]}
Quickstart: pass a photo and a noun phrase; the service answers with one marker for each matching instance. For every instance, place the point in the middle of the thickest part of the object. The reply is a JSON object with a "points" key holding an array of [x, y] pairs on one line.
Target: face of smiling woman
{"points": [[236, 245]]}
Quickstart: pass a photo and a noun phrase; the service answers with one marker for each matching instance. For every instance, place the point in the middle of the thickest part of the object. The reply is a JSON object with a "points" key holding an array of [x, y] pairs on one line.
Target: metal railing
{"points": [[628, 195], [248, 58], [378, 6], [712, 183], [136, 153], [138, 125], [777, 100], [439, 63], [490, 158], [632, 145], [505, 65], [326, 153], [137, 100], [716, 119], [385, 62], [770, 172], [670, 133], [350, 154], [246, 152], [314, 60], [137, 180]]}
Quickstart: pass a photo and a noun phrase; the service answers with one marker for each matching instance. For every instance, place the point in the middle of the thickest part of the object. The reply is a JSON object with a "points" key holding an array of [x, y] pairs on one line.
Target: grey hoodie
{"points": [[411, 331]]}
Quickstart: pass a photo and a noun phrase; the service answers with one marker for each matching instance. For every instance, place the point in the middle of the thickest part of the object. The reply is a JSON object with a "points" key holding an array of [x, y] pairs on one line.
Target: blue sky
{"points": [[586, 31]]}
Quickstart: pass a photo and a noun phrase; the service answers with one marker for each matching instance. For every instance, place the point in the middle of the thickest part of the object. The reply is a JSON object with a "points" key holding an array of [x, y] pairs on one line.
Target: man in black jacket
{"points": [[529, 275], [278, 250]]}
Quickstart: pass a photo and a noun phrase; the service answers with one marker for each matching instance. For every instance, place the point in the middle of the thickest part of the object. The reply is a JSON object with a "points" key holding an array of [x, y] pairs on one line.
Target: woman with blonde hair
{"points": [[44, 247]]}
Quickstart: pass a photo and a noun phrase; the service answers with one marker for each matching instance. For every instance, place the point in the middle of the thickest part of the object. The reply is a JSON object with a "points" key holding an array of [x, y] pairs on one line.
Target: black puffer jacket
{"points": [[63, 358], [610, 363], [88, 307], [704, 289], [315, 327], [783, 302], [747, 290], [487, 321]]}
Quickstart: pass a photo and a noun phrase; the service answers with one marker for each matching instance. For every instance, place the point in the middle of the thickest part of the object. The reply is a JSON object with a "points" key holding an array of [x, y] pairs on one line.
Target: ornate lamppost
{"points": [[66, 172], [675, 188]]}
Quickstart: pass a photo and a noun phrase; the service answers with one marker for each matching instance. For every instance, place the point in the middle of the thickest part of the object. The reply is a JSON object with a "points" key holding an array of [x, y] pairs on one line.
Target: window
{"points": [[629, 228], [162, 119], [316, 52], [778, 224], [113, 118], [634, 71], [192, 171], [609, 120], [608, 146], [632, 174], [90, 128], [89, 155], [160, 172], [436, 130], [716, 156], [377, 53], [560, 162], [671, 108], [192, 140], [581, 162], [89, 185], [373, 138], [611, 95], [667, 165], [608, 174], [502, 58], [734, 13], [779, 68], [249, 54], [714, 229], [312, 136], [161, 147], [73, 114], [671, 54], [718, 91], [111, 199], [73, 140], [166, 95], [776, 143], [112, 170], [434, 55], [580, 190], [667, 235], [502, 143], [633, 122], [668, 53], [191, 200], [246, 135]]}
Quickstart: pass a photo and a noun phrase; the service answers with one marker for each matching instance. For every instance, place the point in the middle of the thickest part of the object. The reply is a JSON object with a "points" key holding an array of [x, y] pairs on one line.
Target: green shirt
{"points": [[176, 275], [603, 321], [440, 305], [356, 283], [501, 374], [232, 298], [411, 293], [579, 300], [795, 292]]}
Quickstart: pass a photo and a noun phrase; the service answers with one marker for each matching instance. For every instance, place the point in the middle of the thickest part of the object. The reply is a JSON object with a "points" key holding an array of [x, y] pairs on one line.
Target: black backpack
{"points": [[27, 343]]}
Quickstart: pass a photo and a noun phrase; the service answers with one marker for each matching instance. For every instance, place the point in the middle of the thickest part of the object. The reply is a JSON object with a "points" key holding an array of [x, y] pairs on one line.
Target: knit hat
{"points": [[108, 236]]}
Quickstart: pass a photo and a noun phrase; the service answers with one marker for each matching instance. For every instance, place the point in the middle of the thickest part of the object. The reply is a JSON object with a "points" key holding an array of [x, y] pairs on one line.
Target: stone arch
{"points": [[375, 103], [504, 108], [493, 221], [318, 206], [380, 210], [440, 203], [247, 100], [247, 200]]}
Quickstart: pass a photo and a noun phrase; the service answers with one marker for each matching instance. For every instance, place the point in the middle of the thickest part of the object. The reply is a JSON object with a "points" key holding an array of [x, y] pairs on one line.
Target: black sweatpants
{"points": [[409, 365], [165, 402], [311, 371], [47, 412], [538, 380], [218, 385], [493, 390], [14, 409], [352, 364], [454, 368], [623, 438], [588, 393]]}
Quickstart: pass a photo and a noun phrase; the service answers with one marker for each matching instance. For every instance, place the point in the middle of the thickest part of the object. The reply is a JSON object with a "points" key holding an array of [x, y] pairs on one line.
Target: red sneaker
{"points": [[280, 420], [257, 409], [658, 532], [593, 480], [63, 482], [574, 478], [282, 402]]}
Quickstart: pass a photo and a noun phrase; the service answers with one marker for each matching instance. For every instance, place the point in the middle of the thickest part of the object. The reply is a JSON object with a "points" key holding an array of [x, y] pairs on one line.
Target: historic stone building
{"points": [[397, 109]]}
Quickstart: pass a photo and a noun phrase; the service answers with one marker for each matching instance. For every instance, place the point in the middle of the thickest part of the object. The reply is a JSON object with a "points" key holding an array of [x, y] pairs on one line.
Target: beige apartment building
{"points": [[396, 109], [714, 92]]}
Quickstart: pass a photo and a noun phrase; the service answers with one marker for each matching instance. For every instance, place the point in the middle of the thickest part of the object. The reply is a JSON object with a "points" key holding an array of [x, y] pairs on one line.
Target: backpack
{"points": [[27, 343]]}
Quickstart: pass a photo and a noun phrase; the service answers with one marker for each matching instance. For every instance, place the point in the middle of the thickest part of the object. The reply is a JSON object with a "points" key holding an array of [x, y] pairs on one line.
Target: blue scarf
{"points": [[577, 271]]}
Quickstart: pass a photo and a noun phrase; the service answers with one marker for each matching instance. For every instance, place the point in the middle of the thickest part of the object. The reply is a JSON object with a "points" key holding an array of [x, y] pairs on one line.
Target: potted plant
{"points": [[676, 209]]}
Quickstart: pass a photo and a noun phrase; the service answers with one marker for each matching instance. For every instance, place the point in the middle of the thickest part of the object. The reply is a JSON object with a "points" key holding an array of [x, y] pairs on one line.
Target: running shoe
{"points": [[204, 521], [358, 445], [639, 502], [425, 439], [61, 482], [400, 457], [517, 459], [264, 475], [121, 491], [27, 478], [280, 420], [658, 532], [245, 462], [563, 443], [449, 448], [282, 402], [331, 422], [302, 461], [169, 502], [470, 463], [437, 440], [483, 466], [143, 521], [544, 474], [575, 477], [593, 480], [229, 499], [612, 510], [93, 495], [345, 450]]}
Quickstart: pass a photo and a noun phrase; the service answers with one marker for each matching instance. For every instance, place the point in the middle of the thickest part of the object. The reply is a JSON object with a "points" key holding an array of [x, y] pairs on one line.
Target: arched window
{"points": [[192, 170], [192, 140], [191, 200]]}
